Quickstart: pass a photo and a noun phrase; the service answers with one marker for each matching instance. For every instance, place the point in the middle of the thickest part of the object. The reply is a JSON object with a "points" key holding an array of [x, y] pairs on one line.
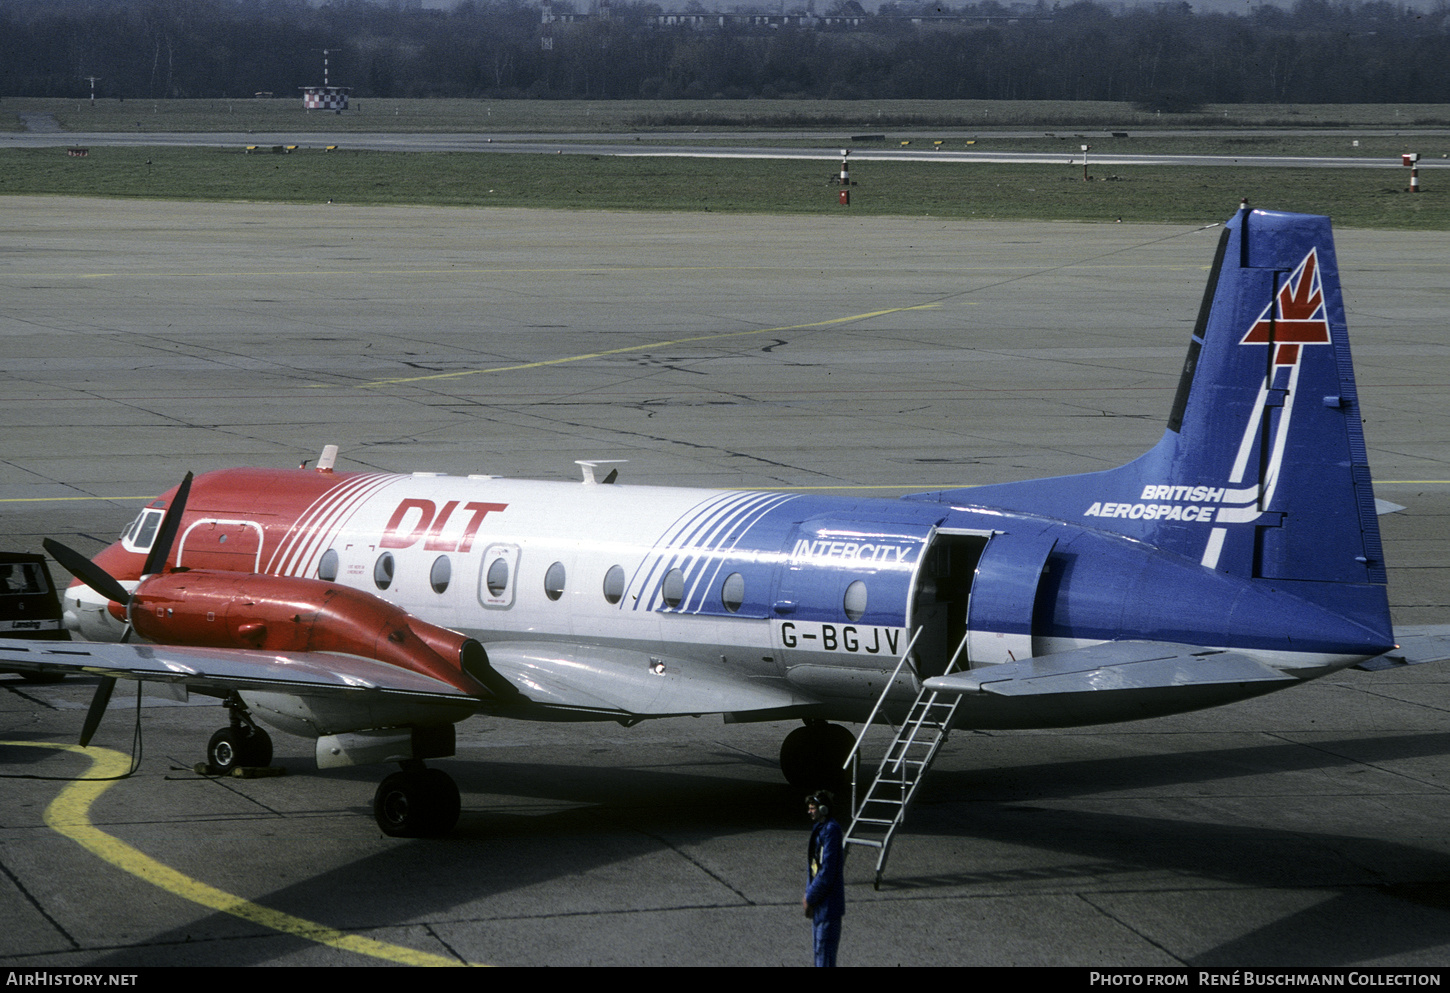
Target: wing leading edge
{"points": [[226, 668], [608, 682]]}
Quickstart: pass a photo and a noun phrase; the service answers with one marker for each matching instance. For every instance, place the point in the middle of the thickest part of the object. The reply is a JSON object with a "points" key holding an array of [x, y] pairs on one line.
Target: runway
{"points": [[698, 145], [878, 356]]}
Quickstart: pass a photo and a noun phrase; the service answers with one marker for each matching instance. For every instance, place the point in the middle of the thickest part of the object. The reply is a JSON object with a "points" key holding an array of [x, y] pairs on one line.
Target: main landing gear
{"points": [[812, 757], [241, 745], [416, 803]]}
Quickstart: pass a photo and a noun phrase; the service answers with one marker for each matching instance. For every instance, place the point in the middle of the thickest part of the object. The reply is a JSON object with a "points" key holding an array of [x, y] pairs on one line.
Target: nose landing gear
{"points": [[241, 745]]}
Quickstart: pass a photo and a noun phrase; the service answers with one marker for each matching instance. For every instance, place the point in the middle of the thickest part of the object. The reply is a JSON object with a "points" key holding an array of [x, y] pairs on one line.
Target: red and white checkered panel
{"points": [[317, 98]]}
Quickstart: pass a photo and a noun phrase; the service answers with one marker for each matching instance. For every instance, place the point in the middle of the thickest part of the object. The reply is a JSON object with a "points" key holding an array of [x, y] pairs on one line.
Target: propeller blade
{"points": [[99, 702], [86, 571], [161, 547], [99, 580]]}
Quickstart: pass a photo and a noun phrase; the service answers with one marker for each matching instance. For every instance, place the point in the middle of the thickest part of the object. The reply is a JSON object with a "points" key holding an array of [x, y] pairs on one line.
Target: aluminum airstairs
{"points": [[882, 809]]}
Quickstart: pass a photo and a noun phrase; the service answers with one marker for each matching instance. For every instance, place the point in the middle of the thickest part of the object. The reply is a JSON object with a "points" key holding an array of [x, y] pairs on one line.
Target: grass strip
{"points": [[624, 116], [1372, 198]]}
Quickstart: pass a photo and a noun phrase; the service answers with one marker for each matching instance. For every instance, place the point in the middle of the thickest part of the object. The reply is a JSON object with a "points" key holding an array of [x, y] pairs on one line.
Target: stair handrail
{"points": [[890, 682], [921, 718], [961, 647]]}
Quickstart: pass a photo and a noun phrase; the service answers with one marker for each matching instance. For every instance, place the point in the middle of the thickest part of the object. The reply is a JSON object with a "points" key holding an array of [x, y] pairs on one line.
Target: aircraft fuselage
{"points": [[813, 597]]}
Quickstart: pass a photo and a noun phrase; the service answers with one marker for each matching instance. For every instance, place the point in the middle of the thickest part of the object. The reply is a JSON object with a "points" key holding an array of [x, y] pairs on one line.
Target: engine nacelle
{"points": [[287, 614]]}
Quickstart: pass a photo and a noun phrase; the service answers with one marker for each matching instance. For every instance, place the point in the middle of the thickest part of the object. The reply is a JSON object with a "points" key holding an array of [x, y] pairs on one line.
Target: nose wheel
{"points": [[238, 748], [241, 745], [416, 803]]}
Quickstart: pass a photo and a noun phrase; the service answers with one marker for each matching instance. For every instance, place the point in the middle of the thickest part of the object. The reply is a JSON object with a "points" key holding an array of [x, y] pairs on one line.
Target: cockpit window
{"points": [[146, 534], [142, 532]]}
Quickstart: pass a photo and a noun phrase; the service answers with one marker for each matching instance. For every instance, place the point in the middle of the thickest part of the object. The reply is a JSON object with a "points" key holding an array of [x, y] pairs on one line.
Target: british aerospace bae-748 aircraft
{"points": [[371, 611]]}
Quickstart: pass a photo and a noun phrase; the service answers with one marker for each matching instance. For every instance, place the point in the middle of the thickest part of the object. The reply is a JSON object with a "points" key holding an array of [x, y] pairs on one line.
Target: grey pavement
{"points": [[141, 340]]}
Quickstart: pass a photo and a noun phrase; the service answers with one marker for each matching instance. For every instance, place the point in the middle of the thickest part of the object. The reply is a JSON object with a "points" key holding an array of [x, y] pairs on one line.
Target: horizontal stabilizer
{"points": [[620, 681], [1417, 644], [1119, 665], [301, 673]]}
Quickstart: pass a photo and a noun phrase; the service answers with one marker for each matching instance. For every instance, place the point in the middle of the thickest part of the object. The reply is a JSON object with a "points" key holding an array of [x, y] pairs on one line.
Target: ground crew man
{"points": [[825, 899]]}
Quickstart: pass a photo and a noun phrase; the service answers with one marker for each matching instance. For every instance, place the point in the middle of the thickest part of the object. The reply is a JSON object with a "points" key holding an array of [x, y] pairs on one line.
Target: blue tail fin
{"points": [[1262, 472]]}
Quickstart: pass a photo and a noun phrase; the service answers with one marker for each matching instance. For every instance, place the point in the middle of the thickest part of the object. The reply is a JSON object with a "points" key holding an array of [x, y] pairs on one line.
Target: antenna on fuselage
{"points": [[589, 465]]}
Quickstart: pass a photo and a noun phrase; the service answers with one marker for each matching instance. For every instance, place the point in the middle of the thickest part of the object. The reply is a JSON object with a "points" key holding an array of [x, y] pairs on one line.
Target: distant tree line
{"points": [[1165, 55]]}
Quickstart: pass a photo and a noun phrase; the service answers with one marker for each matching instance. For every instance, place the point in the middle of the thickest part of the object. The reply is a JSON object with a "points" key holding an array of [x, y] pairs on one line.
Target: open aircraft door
{"points": [[1001, 612], [940, 598]]}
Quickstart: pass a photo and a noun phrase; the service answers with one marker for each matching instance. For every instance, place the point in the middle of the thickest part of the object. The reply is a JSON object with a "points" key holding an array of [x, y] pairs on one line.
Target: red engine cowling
{"points": [[287, 614]]}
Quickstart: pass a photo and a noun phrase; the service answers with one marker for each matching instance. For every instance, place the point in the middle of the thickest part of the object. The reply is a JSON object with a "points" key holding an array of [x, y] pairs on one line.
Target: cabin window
{"points": [[440, 574], [498, 576], [327, 566], [672, 588], [554, 581], [614, 584], [383, 571], [855, 601], [732, 592]]}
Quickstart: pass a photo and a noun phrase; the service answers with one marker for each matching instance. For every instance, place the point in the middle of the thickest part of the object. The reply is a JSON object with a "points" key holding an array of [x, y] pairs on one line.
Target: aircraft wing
{"points": [[304, 673], [625, 682], [1114, 666], [556, 676], [1418, 644]]}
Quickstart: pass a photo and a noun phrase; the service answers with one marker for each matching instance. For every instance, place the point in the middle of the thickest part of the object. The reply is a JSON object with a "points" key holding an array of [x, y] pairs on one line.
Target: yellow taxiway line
{"points": [[118, 499], [69, 815], [717, 336]]}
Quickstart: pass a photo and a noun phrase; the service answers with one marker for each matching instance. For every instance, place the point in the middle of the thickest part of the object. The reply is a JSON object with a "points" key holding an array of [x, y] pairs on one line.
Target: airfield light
{"points": [[1084, 161]]}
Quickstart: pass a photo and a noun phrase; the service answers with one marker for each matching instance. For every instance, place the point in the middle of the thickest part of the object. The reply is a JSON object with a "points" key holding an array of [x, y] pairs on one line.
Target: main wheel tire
{"points": [[811, 756], [257, 748], [224, 751], [417, 804], [445, 799], [236, 748]]}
